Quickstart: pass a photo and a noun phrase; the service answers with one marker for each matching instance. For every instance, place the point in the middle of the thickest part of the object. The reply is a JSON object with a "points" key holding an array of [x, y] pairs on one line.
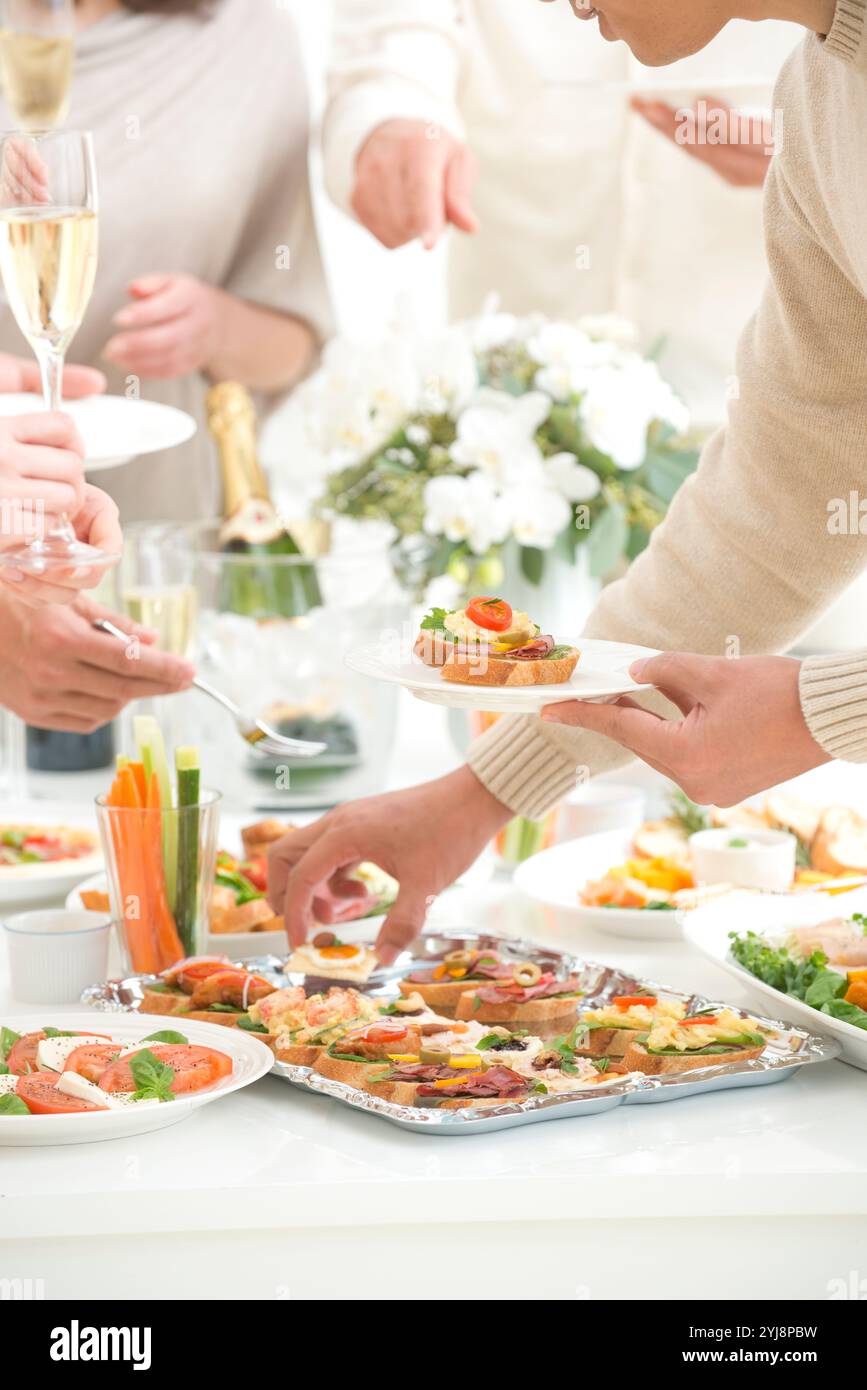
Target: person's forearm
{"points": [[264, 350]]}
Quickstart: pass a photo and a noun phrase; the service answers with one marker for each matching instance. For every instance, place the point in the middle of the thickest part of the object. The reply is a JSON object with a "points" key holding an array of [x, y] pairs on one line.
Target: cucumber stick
{"points": [[152, 752], [188, 777]]}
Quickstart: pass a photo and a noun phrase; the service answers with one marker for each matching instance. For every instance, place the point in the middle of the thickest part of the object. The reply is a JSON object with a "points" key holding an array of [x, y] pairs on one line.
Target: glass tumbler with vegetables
{"points": [[159, 835]]}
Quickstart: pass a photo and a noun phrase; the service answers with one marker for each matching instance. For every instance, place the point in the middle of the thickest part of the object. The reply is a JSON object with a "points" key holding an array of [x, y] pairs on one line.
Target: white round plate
{"points": [[251, 1060], [115, 429], [556, 876], [601, 674], [773, 916], [40, 883], [242, 945]]}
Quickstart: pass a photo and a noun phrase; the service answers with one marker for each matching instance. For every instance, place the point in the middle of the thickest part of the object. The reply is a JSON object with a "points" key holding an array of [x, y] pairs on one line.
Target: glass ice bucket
{"points": [[291, 671]]}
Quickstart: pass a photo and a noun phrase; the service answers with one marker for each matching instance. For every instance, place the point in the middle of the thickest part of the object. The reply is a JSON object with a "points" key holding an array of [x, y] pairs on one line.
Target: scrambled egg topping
{"points": [[638, 1016], [521, 630], [726, 1025], [321, 1019]]}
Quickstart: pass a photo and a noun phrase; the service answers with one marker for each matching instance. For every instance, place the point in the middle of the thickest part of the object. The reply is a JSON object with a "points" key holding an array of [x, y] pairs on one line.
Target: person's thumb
{"points": [[402, 925]]}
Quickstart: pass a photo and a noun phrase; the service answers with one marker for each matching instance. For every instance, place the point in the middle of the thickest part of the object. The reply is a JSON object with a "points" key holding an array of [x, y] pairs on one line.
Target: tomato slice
{"points": [[627, 1001], [491, 613], [22, 1054], [92, 1060], [194, 1067], [41, 1096], [381, 1033]]}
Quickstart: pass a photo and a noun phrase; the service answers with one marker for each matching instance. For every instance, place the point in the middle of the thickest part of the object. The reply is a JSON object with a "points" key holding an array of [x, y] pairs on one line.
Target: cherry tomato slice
{"points": [[381, 1033], [41, 1096], [92, 1060], [626, 1001], [491, 613], [194, 1067], [698, 1020]]}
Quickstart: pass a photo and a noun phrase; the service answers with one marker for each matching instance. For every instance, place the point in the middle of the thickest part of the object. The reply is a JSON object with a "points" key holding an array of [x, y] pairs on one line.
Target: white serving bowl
{"points": [[765, 860]]}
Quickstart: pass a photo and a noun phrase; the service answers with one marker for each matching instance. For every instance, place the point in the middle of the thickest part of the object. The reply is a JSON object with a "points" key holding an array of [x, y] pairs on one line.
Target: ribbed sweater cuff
{"points": [[834, 701], [848, 36], [523, 769]]}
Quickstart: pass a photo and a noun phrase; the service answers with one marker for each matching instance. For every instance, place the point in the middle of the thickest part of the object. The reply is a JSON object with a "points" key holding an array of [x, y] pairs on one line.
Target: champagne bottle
{"points": [[256, 584]]}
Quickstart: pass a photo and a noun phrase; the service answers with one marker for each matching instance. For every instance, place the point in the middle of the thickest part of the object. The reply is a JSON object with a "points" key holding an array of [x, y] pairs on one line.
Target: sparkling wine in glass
{"points": [[48, 251], [37, 54]]}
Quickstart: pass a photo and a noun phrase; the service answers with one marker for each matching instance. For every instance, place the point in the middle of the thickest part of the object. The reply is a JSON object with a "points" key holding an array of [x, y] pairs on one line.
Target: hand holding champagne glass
{"points": [[48, 250], [36, 60]]}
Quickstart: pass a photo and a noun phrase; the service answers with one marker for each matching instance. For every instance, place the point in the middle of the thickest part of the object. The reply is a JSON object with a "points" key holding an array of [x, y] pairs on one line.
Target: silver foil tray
{"points": [[781, 1058]]}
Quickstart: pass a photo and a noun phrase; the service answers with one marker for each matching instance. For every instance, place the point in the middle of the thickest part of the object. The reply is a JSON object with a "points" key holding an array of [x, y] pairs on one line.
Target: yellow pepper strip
{"points": [[457, 973], [402, 1056], [471, 1059]]}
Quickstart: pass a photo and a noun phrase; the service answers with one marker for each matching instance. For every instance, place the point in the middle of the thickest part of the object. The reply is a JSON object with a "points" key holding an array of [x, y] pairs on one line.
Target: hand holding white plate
{"points": [[602, 673], [115, 429]]}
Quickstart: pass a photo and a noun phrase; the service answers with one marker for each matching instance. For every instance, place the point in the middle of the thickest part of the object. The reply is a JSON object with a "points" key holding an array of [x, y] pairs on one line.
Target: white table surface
{"points": [[275, 1194]]}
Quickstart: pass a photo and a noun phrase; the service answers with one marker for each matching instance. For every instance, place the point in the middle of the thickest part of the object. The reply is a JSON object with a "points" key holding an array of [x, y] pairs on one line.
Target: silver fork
{"points": [[259, 735]]}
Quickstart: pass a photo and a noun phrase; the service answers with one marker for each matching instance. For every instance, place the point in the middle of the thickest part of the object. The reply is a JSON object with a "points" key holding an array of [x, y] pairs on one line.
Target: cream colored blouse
{"points": [[201, 131]]}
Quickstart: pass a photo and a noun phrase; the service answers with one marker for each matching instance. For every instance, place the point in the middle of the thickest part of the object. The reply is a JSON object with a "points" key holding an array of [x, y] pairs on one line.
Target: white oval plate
{"points": [[601, 674], [773, 915], [115, 429], [251, 1060], [22, 883], [556, 876], [242, 945]]}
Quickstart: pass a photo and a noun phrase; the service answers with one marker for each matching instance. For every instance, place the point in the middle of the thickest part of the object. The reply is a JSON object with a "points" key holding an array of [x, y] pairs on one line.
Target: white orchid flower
{"points": [[574, 480], [538, 514], [567, 359], [620, 405], [496, 435], [466, 509]]}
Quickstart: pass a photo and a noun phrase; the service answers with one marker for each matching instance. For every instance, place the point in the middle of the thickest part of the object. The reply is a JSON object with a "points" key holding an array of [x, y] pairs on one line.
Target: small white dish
{"points": [[251, 1059], [598, 807], [115, 429], [556, 877], [601, 674], [55, 954], [744, 858]]}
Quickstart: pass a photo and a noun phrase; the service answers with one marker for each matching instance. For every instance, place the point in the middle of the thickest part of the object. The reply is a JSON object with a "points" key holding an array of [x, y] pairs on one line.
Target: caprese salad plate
{"points": [[39, 860], [77, 1078], [601, 673]]}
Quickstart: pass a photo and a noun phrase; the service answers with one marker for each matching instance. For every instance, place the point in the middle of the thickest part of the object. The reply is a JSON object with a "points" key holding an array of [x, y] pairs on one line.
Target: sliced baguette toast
{"points": [[840, 843], [504, 671], [545, 1017], [350, 1073], [606, 1042], [637, 1058], [441, 996]]}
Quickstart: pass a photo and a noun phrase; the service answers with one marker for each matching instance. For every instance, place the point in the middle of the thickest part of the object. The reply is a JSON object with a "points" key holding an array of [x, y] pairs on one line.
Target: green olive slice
{"points": [[526, 973]]}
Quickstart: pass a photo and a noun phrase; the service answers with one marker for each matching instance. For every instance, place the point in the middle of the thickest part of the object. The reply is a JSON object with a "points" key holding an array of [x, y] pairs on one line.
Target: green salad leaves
{"points": [[806, 978]]}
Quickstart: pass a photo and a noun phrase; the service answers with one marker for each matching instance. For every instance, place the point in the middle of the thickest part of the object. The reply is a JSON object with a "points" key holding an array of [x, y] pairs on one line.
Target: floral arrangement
{"points": [[548, 435]]}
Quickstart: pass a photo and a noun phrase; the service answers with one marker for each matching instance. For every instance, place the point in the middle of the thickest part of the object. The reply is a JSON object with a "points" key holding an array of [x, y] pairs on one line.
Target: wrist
{"points": [[468, 791]]}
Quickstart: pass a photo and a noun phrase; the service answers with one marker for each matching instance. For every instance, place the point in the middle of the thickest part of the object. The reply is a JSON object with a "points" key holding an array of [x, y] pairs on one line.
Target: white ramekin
{"points": [[767, 860], [55, 954]]}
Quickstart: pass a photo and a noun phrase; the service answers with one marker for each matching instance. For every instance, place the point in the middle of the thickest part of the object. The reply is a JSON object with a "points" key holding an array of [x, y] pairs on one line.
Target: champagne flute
{"points": [[48, 248], [37, 53]]}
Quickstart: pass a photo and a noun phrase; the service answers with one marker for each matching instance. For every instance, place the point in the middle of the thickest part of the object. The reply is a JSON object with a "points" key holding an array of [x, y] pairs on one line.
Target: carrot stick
{"points": [[141, 785], [134, 877], [168, 941]]}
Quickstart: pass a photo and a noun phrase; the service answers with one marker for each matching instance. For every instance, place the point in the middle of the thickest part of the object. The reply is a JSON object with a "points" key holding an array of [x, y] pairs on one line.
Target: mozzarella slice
{"points": [[71, 1084], [51, 1054], [8, 1084]]}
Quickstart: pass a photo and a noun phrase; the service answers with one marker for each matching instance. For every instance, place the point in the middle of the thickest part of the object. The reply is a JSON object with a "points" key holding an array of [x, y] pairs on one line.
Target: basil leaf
{"points": [[8, 1039], [250, 1025], [153, 1079], [167, 1035], [12, 1105]]}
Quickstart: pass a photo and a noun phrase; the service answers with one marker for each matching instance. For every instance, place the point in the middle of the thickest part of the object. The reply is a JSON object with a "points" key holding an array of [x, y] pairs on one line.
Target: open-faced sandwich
{"points": [[441, 985], [301, 1027], [704, 1039], [208, 988], [531, 998], [609, 1030], [329, 957], [489, 643]]}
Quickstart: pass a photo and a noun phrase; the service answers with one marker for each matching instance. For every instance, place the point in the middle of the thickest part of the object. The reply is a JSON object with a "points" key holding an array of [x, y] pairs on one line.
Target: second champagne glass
{"points": [[37, 54], [48, 252]]}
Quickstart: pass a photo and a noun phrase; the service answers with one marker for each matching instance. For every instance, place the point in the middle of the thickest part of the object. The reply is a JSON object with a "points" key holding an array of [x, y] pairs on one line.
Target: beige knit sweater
{"points": [[752, 548]]}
